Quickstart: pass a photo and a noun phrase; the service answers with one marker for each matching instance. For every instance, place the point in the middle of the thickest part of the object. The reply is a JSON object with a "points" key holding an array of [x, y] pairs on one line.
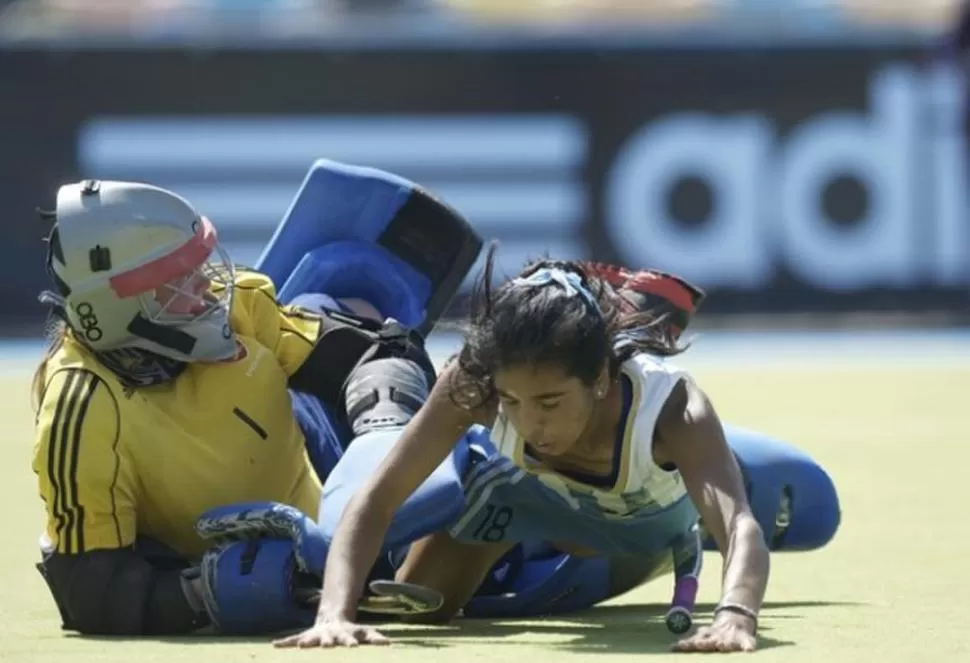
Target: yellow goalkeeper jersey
{"points": [[112, 463]]}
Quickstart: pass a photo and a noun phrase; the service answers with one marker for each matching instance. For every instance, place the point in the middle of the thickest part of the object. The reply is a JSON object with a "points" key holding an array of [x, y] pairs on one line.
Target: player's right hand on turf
{"points": [[334, 633]]}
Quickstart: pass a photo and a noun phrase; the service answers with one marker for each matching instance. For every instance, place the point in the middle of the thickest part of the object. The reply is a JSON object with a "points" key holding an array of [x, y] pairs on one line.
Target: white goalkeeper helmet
{"points": [[138, 267]]}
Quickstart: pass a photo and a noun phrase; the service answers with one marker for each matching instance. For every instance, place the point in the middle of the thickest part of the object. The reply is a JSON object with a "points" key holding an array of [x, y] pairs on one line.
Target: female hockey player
{"points": [[595, 441]]}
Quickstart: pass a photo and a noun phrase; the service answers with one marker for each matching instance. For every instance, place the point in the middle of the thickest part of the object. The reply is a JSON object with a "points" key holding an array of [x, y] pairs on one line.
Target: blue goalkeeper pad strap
{"points": [[434, 506], [792, 497], [356, 232]]}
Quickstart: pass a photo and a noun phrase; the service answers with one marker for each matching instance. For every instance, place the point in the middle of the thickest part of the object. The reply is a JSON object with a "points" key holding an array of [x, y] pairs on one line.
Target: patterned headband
{"points": [[571, 282]]}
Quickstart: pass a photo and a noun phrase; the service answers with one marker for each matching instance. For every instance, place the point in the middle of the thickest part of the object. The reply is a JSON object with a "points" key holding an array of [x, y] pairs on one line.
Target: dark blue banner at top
{"points": [[785, 180]]}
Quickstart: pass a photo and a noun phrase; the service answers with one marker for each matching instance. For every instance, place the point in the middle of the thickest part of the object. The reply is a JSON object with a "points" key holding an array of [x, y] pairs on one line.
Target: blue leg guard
{"points": [[792, 497], [250, 587], [354, 232]]}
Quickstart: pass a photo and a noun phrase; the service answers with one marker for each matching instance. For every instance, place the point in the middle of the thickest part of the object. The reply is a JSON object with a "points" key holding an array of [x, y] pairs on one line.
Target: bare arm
{"points": [[425, 442], [691, 437]]}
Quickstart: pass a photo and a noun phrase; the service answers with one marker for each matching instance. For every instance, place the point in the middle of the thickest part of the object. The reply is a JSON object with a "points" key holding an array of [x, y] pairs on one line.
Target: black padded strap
{"points": [[345, 343]]}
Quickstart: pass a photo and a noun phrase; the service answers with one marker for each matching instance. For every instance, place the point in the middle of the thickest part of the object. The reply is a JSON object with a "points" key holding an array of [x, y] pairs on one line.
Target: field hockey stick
{"points": [[388, 598], [688, 561]]}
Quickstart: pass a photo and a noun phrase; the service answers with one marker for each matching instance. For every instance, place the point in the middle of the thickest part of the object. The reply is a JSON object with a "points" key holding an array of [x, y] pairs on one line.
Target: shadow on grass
{"points": [[609, 629]]}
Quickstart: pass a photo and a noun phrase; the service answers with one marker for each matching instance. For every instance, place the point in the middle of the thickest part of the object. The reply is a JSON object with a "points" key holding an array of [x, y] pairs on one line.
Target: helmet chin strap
{"points": [[209, 340], [140, 366]]}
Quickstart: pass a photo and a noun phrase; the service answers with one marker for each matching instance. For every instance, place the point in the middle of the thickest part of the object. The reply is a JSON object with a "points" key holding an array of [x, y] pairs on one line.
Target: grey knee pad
{"points": [[384, 393]]}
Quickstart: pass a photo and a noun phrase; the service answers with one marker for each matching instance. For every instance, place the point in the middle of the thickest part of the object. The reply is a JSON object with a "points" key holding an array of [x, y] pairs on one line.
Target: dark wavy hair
{"points": [[524, 323]]}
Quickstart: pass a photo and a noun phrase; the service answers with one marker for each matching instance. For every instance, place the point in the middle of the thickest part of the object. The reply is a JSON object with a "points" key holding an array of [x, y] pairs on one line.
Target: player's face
{"points": [[186, 296], [548, 407]]}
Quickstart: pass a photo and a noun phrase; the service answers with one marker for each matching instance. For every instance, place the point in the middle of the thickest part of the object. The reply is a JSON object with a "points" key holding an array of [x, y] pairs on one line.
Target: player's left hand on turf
{"points": [[730, 632]]}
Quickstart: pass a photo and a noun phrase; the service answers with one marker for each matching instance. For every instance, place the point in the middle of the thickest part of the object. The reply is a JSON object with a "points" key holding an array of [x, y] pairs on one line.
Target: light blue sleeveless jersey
{"points": [[640, 509]]}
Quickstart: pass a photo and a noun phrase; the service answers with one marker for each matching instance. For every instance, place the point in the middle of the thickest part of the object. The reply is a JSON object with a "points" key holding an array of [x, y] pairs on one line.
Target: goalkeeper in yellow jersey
{"points": [[177, 383]]}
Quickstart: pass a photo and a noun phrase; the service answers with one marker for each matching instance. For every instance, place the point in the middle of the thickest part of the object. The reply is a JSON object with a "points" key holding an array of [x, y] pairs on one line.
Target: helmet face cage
{"points": [[199, 295]]}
